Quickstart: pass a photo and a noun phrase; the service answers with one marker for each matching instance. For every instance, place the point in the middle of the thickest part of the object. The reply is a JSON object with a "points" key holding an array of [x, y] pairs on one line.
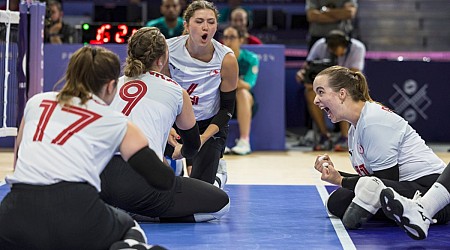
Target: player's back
{"points": [[70, 142], [152, 101]]}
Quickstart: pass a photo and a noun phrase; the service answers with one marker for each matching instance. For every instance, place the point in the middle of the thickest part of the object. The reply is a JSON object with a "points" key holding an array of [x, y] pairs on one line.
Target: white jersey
{"points": [[383, 139], [67, 143], [200, 79], [152, 101]]}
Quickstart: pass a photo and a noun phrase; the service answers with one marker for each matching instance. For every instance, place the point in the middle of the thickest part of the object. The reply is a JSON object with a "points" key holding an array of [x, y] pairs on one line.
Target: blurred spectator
{"points": [[170, 24], [225, 13], [248, 73], [335, 49], [240, 20], [324, 16], [56, 31]]}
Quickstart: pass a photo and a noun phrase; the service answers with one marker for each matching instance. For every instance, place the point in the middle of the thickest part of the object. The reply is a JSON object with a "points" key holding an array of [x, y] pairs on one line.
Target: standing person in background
{"points": [[65, 140], [248, 74], [154, 102], [240, 20], [170, 24], [385, 151], [328, 15], [56, 31], [208, 71]]}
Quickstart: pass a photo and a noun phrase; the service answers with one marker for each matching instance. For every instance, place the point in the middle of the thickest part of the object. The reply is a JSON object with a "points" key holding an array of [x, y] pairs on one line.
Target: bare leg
{"points": [[244, 103]]}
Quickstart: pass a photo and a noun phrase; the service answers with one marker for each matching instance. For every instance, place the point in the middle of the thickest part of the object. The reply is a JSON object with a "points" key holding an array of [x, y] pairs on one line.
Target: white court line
{"points": [[341, 232]]}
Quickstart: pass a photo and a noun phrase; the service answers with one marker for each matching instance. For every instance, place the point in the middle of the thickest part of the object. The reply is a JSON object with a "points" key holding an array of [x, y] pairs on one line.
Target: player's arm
{"points": [[188, 128], [229, 76], [392, 173], [134, 149]]}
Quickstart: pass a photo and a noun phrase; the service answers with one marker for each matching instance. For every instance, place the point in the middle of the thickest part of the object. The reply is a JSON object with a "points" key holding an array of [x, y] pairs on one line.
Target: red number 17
{"points": [[86, 117]]}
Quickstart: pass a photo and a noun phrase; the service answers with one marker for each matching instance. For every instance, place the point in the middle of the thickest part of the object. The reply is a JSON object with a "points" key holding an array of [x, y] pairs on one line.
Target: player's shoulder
{"points": [[176, 41], [163, 79]]}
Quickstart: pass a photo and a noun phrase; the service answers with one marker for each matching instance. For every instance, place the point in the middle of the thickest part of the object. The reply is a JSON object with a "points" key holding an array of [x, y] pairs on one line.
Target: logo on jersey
{"points": [[214, 72], [360, 149], [190, 90], [173, 67], [410, 100]]}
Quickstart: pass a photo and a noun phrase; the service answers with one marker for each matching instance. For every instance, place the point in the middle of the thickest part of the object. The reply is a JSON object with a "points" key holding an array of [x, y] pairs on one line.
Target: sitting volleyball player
{"points": [[384, 150], [65, 140], [208, 71], [154, 102]]}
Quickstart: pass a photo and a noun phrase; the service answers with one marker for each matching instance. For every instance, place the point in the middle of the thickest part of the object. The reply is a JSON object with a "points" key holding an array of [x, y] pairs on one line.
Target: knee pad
{"points": [[367, 193]]}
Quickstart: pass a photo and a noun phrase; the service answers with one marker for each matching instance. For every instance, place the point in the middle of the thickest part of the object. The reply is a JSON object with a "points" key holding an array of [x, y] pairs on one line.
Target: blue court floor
{"points": [[283, 217]]}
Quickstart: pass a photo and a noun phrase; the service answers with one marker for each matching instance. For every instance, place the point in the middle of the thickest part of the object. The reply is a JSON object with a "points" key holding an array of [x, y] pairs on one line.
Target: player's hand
{"points": [[177, 152], [331, 175], [173, 137], [322, 161]]}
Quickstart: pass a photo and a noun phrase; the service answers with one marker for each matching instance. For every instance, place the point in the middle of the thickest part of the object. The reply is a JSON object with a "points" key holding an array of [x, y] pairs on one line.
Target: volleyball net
{"points": [[9, 23], [21, 63]]}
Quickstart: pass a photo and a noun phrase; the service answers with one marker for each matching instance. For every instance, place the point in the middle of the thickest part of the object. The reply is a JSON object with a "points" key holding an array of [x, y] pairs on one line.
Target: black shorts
{"points": [[65, 215], [124, 188]]}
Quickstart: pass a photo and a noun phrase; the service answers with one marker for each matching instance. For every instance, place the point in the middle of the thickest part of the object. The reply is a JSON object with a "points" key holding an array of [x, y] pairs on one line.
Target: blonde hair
{"points": [[89, 69], [144, 47], [198, 5], [354, 82]]}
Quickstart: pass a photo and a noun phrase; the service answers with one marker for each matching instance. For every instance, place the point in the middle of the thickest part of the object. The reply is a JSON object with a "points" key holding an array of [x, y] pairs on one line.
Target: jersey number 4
{"points": [[86, 117], [132, 92]]}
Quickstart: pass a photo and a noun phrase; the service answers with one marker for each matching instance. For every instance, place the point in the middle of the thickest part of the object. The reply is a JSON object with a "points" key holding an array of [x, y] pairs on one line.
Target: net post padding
{"points": [[8, 17]]}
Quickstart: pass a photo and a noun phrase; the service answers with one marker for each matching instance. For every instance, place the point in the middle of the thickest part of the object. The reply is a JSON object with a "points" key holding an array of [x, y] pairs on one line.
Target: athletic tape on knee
{"points": [[367, 193]]}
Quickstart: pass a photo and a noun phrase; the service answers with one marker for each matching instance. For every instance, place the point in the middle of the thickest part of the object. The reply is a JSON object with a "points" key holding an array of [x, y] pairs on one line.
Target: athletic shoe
{"points": [[242, 147], [408, 214], [341, 145], [227, 151], [221, 175], [134, 245], [324, 144]]}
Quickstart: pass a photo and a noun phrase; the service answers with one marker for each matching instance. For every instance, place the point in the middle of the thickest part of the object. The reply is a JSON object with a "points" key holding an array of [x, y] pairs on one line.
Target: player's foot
{"points": [[242, 147], [227, 151], [222, 175], [409, 214], [133, 245]]}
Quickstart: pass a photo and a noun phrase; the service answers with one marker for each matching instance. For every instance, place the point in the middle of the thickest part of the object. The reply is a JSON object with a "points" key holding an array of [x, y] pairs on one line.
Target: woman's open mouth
{"points": [[327, 110]]}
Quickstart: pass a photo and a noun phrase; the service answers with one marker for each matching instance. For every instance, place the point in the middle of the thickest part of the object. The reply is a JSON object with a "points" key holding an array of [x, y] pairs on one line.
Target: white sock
{"points": [[435, 199]]}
